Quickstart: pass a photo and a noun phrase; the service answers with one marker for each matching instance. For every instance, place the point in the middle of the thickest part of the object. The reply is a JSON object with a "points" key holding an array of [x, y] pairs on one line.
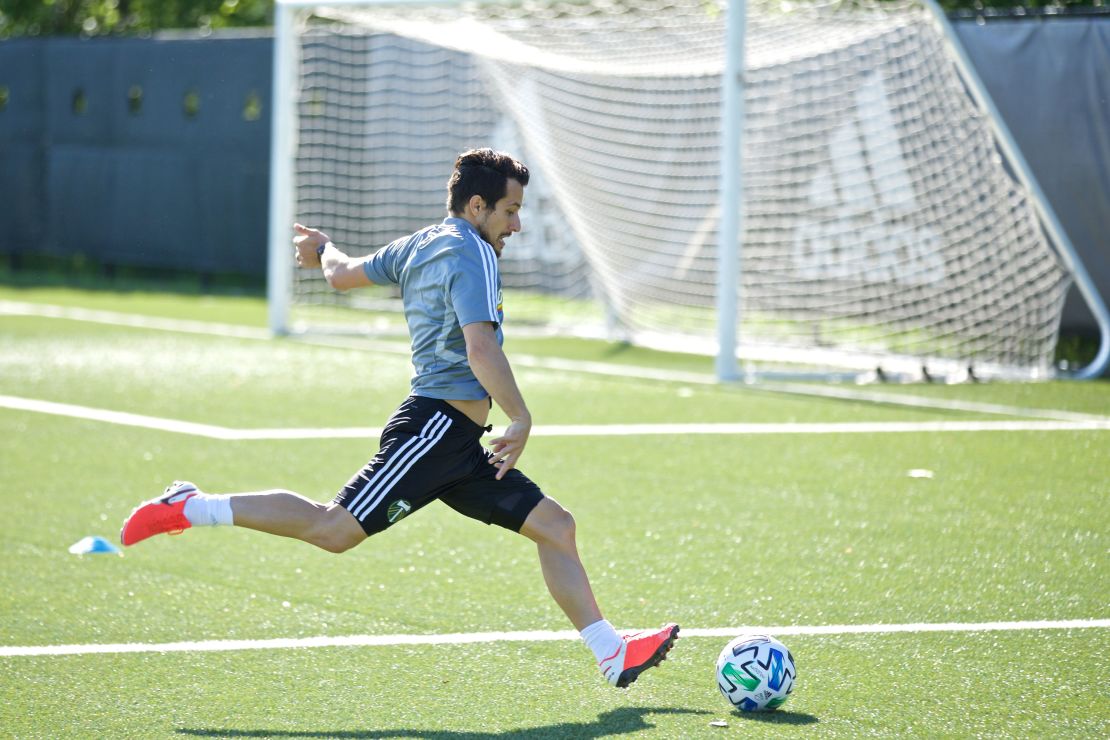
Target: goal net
{"points": [[882, 228]]}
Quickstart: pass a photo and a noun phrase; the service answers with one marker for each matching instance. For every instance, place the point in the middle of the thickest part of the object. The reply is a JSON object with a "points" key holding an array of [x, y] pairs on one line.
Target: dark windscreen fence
{"points": [[155, 152], [23, 139], [1050, 79], [139, 152]]}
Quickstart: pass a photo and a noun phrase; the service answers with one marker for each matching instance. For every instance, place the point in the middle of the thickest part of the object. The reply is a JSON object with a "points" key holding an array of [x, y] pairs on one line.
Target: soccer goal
{"points": [[887, 223]]}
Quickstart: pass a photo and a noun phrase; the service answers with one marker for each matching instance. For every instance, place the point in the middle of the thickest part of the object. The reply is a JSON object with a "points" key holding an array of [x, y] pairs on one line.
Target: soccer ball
{"points": [[756, 673]]}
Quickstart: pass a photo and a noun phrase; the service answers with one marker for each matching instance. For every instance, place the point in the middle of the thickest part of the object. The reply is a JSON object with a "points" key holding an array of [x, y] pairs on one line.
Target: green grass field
{"points": [[716, 531]]}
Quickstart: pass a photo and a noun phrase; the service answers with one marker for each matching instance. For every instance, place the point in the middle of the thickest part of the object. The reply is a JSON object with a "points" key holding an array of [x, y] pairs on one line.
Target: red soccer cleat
{"points": [[162, 515], [637, 653]]}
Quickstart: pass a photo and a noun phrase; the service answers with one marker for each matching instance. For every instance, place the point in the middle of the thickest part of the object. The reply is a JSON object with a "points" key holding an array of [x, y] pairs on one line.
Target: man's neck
{"points": [[461, 217]]}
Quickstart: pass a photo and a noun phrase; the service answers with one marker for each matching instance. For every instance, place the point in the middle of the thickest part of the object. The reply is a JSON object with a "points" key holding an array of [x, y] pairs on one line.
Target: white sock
{"points": [[602, 639], [209, 510]]}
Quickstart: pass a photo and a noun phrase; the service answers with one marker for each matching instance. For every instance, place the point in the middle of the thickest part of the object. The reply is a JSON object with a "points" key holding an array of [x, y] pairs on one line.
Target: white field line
{"points": [[20, 308], [896, 399], [201, 646], [174, 425], [860, 427], [137, 321], [567, 430]]}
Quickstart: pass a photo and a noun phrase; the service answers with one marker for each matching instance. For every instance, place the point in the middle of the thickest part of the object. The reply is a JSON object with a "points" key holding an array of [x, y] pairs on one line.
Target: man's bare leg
{"points": [[552, 528], [289, 514], [278, 511], [621, 659]]}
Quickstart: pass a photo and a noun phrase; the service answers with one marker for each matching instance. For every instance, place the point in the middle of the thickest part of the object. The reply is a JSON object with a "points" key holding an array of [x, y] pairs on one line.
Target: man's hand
{"points": [[307, 241], [508, 448]]}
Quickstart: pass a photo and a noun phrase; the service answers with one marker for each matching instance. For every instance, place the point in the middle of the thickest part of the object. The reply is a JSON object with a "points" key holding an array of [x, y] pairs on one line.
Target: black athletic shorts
{"points": [[429, 450]]}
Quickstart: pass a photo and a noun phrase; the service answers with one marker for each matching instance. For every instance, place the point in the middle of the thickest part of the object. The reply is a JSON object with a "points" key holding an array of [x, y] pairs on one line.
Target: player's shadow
{"points": [[614, 722]]}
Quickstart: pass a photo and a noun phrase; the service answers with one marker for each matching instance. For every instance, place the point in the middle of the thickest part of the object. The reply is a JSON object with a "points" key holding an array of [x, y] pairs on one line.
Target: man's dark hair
{"points": [[482, 172]]}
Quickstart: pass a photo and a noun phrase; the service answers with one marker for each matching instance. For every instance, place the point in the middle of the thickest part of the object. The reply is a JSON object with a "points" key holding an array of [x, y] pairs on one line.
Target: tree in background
{"points": [[132, 17]]}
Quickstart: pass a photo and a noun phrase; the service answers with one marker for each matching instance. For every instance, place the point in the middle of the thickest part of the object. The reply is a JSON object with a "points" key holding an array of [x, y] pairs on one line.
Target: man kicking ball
{"points": [[431, 446]]}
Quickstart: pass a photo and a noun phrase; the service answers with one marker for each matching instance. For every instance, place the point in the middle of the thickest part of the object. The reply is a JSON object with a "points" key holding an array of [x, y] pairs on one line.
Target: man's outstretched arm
{"points": [[341, 272]]}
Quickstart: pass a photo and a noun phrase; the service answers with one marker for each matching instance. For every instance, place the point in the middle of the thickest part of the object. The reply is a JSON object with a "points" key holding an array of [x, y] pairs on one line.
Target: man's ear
{"points": [[476, 204]]}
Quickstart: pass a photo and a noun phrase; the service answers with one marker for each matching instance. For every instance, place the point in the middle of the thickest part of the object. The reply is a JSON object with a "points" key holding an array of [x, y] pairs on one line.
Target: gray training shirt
{"points": [[449, 278]]}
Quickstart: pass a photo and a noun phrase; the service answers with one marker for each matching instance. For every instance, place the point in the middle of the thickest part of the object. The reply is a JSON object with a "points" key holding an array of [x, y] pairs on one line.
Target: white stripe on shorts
{"points": [[396, 467]]}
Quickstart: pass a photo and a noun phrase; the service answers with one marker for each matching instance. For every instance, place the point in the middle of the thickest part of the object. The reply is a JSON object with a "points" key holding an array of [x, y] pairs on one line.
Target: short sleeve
{"points": [[475, 285], [381, 268]]}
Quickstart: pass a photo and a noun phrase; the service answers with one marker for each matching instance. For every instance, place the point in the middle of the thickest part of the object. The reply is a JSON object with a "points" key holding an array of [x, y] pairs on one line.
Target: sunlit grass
{"points": [[712, 531]]}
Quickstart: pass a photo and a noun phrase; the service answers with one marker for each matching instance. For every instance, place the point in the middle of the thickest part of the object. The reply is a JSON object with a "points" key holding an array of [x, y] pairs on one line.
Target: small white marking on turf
{"points": [[529, 636]]}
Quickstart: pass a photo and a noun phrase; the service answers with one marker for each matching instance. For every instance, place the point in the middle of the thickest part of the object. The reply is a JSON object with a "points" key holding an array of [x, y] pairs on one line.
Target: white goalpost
{"points": [[800, 187]]}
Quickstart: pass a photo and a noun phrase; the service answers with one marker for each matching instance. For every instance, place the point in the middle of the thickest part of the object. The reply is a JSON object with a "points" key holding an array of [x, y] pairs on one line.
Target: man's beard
{"points": [[491, 241]]}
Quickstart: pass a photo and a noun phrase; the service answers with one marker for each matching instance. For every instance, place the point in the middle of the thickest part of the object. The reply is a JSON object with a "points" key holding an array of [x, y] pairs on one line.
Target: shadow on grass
{"points": [[615, 722], [778, 717]]}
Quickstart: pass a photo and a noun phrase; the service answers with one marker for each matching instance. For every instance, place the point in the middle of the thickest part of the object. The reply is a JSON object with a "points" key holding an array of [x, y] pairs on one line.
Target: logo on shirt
{"points": [[500, 306]]}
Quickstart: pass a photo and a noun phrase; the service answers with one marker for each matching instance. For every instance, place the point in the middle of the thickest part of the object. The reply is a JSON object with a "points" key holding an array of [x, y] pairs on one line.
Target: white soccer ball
{"points": [[756, 673]]}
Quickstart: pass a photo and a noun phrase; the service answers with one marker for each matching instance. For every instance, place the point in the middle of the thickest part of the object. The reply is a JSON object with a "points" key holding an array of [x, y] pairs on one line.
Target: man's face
{"points": [[503, 220]]}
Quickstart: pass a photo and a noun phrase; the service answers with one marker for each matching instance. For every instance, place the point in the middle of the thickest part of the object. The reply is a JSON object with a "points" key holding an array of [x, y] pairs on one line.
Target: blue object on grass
{"points": [[92, 545]]}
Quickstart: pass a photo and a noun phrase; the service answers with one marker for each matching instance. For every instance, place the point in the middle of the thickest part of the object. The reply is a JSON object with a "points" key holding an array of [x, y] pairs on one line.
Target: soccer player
{"points": [[430, 448]]}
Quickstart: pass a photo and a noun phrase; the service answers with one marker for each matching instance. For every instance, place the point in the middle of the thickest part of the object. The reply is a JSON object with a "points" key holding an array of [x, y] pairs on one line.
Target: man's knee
{"points": [[549, 522], [336, 542], [563, 524], [337, 531]]}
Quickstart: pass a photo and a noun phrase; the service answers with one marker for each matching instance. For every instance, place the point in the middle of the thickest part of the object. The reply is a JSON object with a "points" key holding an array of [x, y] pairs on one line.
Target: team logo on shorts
{"points": [[397, 510]]}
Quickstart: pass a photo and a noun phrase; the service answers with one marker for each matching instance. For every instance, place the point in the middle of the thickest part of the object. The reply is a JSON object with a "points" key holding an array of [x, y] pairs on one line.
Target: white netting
{"points": [[880, 223]]}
